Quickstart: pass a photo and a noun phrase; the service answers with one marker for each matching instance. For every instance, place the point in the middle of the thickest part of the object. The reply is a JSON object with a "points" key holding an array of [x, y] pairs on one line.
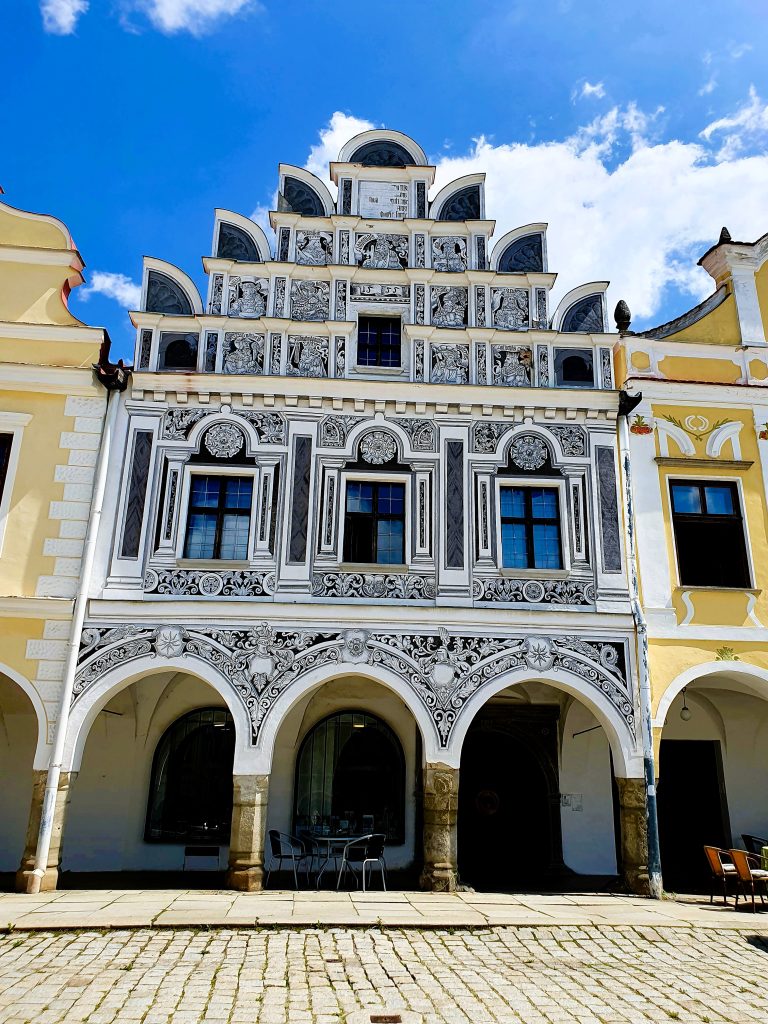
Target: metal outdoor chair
{"points": [[750, 874], [284, 847], [723, 870], [754, 844], [366, 851]]}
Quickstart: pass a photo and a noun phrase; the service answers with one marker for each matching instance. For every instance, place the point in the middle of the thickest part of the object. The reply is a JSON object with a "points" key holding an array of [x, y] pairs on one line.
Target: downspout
{"points": [[626, 404], [115, 379]]}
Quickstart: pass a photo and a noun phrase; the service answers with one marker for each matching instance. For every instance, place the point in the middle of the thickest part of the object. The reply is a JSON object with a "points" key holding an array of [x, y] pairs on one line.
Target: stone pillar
{"points": [[249, 821], [27, 865], [634, 834], [441, 805]]}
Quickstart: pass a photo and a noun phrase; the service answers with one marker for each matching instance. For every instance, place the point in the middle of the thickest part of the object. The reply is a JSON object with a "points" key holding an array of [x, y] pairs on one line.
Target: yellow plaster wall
{"points": [[32, 294], [716, 371], [33, 489], [13, 646], [669, 658], [33, 352], [719, 327], [19, 228]]}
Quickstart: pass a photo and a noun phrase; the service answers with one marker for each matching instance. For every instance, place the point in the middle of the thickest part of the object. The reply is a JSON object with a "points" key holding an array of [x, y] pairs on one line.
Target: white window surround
{"points": [[200, 469], [549, 482], [674, 478], [12, 423], [376, 478]]}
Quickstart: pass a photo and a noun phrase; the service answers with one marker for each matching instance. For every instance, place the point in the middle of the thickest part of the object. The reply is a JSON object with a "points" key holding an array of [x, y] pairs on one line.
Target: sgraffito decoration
{"points": [[443, 670], [178, 423]]}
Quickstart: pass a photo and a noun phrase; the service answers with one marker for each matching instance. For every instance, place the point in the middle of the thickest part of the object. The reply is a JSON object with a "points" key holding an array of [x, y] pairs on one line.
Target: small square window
{"points": [[530, 528], [177, 351], [379, 341], [574, 368], [218, 524], [709, 534], [374, 524]]}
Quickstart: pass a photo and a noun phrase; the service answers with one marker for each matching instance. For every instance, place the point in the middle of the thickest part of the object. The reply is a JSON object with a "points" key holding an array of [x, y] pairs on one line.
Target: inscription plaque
{"points": [[383, 200]]}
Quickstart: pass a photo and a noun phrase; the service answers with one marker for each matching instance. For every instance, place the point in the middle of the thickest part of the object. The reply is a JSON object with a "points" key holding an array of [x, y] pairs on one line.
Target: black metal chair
{"points": [[365, 851], [284, 847], [753, 844]]}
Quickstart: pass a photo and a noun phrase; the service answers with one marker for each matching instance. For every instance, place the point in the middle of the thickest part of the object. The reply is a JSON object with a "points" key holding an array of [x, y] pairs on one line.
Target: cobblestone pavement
{"points": [[564, 975]]}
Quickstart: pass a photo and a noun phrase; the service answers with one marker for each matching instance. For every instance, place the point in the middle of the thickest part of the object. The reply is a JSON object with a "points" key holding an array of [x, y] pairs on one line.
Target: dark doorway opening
{"points": [[693, 811], [509, 834]]}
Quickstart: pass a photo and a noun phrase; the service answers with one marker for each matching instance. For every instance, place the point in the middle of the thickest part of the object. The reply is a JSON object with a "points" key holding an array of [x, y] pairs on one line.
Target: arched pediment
{"points": [[168, 290], [382, 148], [518, 253], [302, 192], [460, 200], [239, 238], [582, 310]]}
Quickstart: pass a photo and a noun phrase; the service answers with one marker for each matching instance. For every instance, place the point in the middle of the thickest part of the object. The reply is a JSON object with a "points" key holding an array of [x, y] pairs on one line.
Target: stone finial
{"points": [[622, 316], [725, 236]]}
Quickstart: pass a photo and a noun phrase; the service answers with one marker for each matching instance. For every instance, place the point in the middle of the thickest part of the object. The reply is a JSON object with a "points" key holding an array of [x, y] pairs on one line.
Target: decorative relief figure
{"points": [[450, 364], [512, 367], [377, 448], [211, 344], [334, 430], [276, 342], [449, 253], [217, 294], [528, 452], [341, 356], [541, 309], [481, 364], [606, 376], [243, 353], [310, 300], [341, 300], [307, 356], [381, 252], [145, 350], [486, 434], [224, 440], [419, 299], [248, 296], [510, 308], [418, 360], [573, 439], [380, 292], [543, 359], [420, 251], [481, 257], [314, 248], [344, 247], [420, 432], [449, 306], [480, 305], [283, 244], [278, 304]]}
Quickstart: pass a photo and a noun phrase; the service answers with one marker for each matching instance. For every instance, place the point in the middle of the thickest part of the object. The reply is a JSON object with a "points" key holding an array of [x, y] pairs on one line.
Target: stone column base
{"points": [[634, 835], [246, 844], [51, 878], [441, 805]]}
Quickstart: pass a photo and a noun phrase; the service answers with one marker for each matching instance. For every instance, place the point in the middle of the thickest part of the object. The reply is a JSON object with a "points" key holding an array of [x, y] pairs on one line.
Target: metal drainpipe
{"points": [[35, 877], [626, 404]]}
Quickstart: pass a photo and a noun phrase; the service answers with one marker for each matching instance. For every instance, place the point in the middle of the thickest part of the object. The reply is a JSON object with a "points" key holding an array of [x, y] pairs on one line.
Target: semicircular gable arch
{"points": [[522, 250], [582, 310], [167, 289], [238, 238], [382, 147], [459, 200], [303, 192]]}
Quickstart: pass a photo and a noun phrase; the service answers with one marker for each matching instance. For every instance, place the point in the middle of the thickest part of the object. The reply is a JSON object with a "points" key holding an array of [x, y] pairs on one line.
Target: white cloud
{"points": [[621, 203], [194, 16], [340, 129], [747, 127], [709, 86], [60, 16], [590, 91], [737, 50], [114, 286]]}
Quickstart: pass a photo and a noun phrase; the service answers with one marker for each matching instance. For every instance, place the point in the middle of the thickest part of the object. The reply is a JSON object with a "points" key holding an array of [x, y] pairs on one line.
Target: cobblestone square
{"points": [[562, 975]]}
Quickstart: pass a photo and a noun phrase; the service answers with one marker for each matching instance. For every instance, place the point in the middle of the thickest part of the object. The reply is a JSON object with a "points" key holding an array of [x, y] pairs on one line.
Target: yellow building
{"points": [[699, 455], [52, 409]]}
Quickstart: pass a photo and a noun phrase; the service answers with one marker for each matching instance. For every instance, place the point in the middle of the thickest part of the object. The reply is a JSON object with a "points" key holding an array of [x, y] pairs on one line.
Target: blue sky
{"points": [[636, 129]]}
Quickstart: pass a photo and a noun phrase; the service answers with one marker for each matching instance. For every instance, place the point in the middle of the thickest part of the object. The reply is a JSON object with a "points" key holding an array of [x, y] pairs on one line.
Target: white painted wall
{"points": [[589, 845], [740, 722], [18, 735], [344, 695], [105, 823]]}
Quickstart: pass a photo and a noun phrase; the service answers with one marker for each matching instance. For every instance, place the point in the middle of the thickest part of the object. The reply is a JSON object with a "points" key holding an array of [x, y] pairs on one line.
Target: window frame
{"points": [[225, 471], [737, 484], [566, 351], [377, 478], [378, 367], [11, 424], [551, 483]]}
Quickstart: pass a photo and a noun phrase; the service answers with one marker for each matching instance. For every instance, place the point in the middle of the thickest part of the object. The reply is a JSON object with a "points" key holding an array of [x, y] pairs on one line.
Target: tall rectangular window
{"points": [[374, 525], [378, 341], [6, 440], [219, 517], [709, 534], [530, 528]]}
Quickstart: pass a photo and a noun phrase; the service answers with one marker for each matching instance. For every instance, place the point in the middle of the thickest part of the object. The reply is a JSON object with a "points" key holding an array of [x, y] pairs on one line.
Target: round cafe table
{"points": [[334, 846]]}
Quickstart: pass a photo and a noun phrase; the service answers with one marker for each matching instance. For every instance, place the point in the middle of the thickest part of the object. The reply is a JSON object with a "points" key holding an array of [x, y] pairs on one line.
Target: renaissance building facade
{"points": [[361, 562]]}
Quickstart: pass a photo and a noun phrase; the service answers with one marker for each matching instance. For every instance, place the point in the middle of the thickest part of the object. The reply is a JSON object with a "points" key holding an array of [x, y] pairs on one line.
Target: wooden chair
{"points": [[722, 871], [749, 872]]}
